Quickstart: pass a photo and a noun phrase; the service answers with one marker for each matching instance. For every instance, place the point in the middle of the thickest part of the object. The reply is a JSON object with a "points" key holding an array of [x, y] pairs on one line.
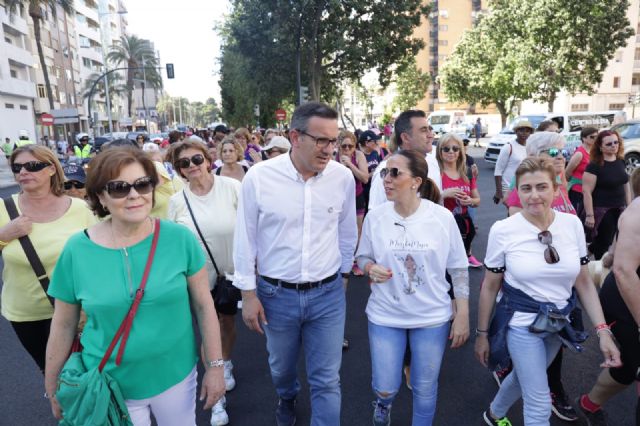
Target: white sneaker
{"points": [[229, 380], [219, 415]]}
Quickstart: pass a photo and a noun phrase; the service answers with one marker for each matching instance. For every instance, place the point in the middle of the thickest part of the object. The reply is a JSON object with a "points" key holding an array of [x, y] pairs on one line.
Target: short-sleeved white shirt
{"points": [[417, 249], [513, 244]]}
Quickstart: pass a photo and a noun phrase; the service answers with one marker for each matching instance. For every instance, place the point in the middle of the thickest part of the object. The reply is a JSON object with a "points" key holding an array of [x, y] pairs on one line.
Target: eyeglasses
{"points": [[120, 189], [73, 184], [554, 152], [551, 255], [612, 143], [452, 148], [320, 141], [183, 163], [347, 146], [394, 172], [593, 136], [30, 166]]}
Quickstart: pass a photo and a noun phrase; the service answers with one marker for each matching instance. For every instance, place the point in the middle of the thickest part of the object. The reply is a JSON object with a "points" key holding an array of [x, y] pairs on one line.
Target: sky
{"points": [[182, 32]]}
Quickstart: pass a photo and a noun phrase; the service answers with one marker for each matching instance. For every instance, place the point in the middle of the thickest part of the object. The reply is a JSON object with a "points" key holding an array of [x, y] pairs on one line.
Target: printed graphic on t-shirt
{"points": [[411, 272]]}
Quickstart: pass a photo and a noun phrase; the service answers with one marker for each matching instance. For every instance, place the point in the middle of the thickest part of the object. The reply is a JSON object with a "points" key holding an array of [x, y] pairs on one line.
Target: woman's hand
{"points": [[345, 160], [255, 156], [481, 349], [459, 333], [452, 193], [19, 227], [55, 407], [378, 273], [212, 386], [589, 221], [609, 351]]}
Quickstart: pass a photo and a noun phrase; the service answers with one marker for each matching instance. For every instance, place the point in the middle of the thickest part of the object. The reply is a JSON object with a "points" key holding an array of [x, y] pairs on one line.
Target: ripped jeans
{"points": [[387, 346]]}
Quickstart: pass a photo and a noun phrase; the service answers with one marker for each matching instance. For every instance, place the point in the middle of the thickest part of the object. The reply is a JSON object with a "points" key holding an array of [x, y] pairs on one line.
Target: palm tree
{"points": [[35, 8], [116, 87], [135, 53]]}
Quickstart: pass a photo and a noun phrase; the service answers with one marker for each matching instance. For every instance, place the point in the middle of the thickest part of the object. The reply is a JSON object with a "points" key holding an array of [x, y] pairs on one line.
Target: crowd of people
{"points": [[279, 222]]}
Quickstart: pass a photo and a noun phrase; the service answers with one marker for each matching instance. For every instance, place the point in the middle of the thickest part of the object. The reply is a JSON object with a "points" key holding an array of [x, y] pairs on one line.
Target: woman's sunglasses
{"points": [[30, 166], [612, 143], [554, 152], [394, 172], [183, 163], [120, 189], [452, 148], [73, 184], [551, 255], [347, 146]]}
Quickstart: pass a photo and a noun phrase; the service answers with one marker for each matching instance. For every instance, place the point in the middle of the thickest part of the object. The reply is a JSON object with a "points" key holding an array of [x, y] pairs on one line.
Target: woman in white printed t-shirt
{"points": [[406, 248], [542, 256]]}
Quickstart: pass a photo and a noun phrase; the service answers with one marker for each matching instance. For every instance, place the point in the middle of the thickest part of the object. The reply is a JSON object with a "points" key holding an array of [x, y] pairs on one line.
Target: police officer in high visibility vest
{"points": [[23, 139], [84, 150]]}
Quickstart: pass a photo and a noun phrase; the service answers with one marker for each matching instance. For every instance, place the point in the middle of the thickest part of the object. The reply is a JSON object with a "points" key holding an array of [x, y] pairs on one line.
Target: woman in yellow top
{"points": [[49, 218]]}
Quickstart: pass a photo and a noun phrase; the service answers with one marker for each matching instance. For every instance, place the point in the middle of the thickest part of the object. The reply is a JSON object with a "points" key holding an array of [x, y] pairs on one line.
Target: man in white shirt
{"points": [[297, 223], [510, 157], [411, 131]]}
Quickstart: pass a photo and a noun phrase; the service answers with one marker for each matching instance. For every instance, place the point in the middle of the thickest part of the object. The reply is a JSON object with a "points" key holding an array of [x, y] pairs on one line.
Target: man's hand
{"points": [[252, 311]]}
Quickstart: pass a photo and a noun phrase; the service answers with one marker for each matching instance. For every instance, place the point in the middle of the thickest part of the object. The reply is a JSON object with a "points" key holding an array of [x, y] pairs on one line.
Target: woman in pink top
{"points": [[576, 167]]}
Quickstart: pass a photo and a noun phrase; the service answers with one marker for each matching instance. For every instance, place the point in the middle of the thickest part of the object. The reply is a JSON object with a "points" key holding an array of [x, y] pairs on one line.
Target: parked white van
{"points": [[569, 124], [448, 122]]}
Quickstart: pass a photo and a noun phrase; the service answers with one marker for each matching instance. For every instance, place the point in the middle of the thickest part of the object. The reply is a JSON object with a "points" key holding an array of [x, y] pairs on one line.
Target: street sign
{"points": [[281, 114], [46, 119]]}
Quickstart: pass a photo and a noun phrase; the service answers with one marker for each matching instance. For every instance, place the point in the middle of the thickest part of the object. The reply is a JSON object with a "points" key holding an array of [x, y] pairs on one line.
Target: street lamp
{"points": [[104, 61]]}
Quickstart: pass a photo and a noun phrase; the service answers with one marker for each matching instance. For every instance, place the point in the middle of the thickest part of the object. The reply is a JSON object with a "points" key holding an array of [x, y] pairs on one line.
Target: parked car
{"points": [[630, 132]]}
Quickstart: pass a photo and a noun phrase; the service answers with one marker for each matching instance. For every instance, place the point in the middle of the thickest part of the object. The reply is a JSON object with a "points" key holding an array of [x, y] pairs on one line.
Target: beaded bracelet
{"points": [[603, 326]]}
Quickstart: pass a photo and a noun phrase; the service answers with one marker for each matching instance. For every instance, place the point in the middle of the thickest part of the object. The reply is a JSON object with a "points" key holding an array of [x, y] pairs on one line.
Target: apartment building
{"points": [[17, 75]]}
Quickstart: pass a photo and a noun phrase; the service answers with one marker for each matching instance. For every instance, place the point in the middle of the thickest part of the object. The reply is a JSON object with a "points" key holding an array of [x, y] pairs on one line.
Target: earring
{"points": [[413, 187]]}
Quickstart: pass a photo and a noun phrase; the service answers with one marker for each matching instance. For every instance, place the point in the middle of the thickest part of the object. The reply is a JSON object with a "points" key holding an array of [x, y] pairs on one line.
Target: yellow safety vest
{"points": [[83, 152], [23, 142]]}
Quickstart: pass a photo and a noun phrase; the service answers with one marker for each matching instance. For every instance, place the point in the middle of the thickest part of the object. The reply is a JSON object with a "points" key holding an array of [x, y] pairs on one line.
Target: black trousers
{"points": [[34, 336]]}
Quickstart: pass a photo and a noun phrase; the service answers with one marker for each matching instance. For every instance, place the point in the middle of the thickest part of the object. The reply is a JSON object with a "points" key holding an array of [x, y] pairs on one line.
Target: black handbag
{"points": [[224, 292]]}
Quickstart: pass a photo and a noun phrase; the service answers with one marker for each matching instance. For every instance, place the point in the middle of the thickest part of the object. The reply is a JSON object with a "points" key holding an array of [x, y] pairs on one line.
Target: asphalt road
{"points": [[466, 388]]}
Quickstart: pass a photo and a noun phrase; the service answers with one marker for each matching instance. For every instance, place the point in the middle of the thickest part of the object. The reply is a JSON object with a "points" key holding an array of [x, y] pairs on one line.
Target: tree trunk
{"points": [[503, 113], [315, 53], [35, 15], [130, 87], [551, 100]]}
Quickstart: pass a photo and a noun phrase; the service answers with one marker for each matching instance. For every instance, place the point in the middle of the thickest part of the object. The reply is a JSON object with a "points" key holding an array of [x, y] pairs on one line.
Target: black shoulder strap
{"points": [[218, 170], [195, 223], [29, 250]]}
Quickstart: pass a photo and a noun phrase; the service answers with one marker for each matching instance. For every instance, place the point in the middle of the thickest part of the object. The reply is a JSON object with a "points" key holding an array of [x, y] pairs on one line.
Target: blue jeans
{"points": [[314, 320], [387, 346], [531, 354]]}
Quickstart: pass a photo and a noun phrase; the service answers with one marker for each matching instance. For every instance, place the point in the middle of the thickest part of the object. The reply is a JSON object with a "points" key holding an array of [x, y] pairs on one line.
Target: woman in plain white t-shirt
{"points": [[406, 248], [214, 202], [541, 253]]}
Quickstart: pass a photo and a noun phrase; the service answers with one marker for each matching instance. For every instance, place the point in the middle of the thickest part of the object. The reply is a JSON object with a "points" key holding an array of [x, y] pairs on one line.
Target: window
{"points": [[24, 107], [616, 82], [86, 62], [8, 106], [616, 107], [636, 55], [13, 73], [443, 28], [81, 18], [42, 93], [579, 107], [635, 79], [8, 40], [68, 73], [618, 56], [443, 42]]}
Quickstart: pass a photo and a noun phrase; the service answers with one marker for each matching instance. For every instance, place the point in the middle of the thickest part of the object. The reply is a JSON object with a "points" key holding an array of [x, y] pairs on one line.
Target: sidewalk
{"points": [[6, 176]]}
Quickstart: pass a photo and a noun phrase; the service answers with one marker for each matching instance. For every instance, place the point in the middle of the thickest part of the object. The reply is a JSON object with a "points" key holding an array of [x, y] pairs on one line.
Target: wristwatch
{"points": [[216, 363]]}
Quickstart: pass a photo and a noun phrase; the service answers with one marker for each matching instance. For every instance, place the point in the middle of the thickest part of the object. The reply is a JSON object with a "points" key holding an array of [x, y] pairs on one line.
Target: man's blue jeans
{"points": [[314, 320], [531, 354], [388, 344]]}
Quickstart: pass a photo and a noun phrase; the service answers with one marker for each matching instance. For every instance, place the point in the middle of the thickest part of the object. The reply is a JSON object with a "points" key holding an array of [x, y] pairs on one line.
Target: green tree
{"points": [[116, 86], [138, 56], [411, 86], [36, 9]]}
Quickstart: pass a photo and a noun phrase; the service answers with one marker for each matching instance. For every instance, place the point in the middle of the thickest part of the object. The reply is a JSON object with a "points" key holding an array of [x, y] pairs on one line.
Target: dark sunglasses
{"points": [[73, 184], [183, 163], [554, 152], [551, 255], [120, 189], [31, 166], [347, 146], [452, 148], [394, 172], [612, 143]]}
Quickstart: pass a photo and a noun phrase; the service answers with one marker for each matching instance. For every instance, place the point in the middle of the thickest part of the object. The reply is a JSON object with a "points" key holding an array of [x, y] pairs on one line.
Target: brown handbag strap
{"points": [[29, 250], [127, 322]]}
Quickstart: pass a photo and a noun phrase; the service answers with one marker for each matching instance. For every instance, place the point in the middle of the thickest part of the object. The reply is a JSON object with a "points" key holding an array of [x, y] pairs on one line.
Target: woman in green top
{"points": [[100, 270]]}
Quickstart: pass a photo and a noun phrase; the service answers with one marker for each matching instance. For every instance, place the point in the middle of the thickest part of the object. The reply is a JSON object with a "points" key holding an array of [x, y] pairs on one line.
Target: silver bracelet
{"points": [[216, 363]]}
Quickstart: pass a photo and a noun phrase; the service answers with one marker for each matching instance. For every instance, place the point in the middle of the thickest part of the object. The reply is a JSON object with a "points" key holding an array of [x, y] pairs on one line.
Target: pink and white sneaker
{"points": [[474, 263]]}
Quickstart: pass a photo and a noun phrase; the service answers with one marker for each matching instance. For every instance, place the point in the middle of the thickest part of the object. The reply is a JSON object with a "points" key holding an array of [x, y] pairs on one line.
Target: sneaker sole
{"points": [[496, 378], [487, 420], [561, 416]]}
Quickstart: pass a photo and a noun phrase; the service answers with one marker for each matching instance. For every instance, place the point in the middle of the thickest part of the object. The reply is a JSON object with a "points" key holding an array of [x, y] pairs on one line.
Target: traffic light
{"points": [[256, 110], [304, 94], [170, 73]]}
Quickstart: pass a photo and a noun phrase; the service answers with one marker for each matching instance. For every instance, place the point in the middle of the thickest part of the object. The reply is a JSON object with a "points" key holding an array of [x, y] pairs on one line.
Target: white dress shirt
{"points": [[294, 230], [377, 195]]}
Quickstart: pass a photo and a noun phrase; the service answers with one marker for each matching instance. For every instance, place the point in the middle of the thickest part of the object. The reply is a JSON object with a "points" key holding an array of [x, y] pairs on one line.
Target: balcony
{"points": [[636, 64], [15, 87], [14, 21], [83, 9], [17, 54]]}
